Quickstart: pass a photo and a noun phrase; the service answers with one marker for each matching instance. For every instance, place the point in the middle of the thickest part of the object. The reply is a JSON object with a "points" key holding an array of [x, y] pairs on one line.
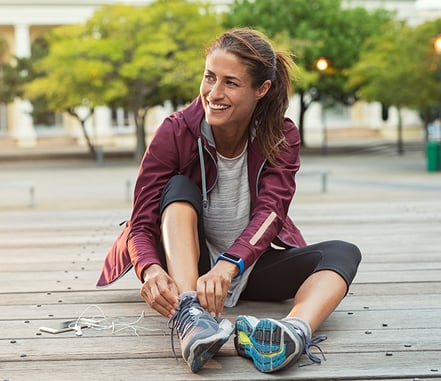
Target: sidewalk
{"points": [[71, 179]]}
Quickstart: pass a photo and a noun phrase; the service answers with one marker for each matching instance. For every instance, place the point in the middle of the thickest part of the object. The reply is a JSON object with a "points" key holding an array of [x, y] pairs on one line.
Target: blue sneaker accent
{"points": [[272, 344]]}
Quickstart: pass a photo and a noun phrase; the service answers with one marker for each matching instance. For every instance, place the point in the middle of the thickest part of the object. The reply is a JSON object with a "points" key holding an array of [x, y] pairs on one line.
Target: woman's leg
{"points": [[183, 252], [184, 255], [318, 297], [318, 276], [181, 244]]}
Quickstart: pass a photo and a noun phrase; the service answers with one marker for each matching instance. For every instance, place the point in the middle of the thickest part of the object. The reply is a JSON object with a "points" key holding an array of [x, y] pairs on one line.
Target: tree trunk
{"points": [[83, 128], [141, 144], [400, 149], [87, 137], [303, 109]]}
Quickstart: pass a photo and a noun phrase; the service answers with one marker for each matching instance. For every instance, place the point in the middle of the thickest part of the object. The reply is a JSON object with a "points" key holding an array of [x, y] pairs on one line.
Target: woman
{"points": [[211, 202]]}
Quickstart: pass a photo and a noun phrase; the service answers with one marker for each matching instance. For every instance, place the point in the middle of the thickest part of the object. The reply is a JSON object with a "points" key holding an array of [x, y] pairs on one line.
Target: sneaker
{"points": [[273, 344], [200, 334]]}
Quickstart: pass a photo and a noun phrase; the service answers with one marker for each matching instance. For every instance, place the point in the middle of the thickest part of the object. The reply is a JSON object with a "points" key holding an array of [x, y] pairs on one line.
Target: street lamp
{"points": [[322, 65], [437, 48], [437, 44]]}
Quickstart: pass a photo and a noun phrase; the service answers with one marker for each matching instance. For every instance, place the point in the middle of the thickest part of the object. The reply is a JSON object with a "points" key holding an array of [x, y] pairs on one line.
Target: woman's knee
{"points": [[348, 250], [181, 189]]}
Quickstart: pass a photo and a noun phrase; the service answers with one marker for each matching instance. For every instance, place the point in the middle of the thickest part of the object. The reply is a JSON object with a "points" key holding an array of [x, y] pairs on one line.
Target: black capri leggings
{"points": [[278, 273]]}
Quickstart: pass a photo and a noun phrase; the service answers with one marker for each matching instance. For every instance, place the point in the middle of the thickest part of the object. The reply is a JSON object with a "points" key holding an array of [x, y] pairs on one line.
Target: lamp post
{"points": [[437, 47], [322, 65], [433, 143]]}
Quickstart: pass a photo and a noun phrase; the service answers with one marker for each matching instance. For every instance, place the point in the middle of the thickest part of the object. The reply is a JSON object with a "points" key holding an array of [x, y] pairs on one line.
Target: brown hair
{"points": [[264, 63]]}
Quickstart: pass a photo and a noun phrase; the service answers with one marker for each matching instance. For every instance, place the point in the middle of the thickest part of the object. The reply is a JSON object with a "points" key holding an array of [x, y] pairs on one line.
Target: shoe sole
{"points": [[203, 350], [270, 344]]}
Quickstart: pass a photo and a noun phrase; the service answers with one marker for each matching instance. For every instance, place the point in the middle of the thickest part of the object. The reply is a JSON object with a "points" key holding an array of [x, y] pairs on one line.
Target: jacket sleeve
{"points": [[161, 162], [269, 215], [137, 245]]}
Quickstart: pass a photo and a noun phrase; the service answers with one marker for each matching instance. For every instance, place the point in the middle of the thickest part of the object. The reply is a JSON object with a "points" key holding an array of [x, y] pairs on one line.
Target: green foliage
{"points": [[74, 72], [11, 76], [400, 67], [161, 52], [125, 56], [157, 52], [314, 29]]}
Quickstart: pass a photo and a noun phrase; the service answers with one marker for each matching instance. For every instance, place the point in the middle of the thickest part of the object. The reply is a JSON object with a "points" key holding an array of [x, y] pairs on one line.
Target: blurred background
{"points": [[101, 75], [84, 85]]}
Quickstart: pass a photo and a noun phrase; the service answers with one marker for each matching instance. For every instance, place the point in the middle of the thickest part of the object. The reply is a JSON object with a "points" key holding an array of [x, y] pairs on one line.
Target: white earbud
{"points": [[78, 330]]}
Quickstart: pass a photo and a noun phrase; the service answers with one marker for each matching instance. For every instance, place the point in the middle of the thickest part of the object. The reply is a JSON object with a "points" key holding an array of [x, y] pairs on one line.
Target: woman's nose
{"points": [[216, 90]]}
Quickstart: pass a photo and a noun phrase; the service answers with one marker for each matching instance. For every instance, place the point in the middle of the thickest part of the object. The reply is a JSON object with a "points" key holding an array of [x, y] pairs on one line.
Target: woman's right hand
{"points": [[159, 290]]}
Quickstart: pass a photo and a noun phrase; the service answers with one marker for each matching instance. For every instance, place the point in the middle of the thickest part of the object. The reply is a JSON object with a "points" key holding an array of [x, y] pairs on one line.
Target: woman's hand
{"points": [[159, 290], [212, 287]]}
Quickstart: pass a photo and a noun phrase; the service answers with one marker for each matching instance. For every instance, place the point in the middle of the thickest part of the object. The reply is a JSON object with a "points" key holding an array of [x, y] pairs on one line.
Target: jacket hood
{"points": [[193, 115]]}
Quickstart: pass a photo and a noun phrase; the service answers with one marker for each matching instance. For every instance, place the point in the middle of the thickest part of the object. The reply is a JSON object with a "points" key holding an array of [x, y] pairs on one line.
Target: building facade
{"points": [[22, 21]]}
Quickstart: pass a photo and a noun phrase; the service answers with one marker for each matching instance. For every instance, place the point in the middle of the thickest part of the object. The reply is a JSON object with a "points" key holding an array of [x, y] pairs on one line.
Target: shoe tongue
{"points": [[191, 294], [194, 310]]}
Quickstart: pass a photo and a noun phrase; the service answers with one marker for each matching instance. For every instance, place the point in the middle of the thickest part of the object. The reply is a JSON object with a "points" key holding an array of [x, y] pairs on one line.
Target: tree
{"points": [[426, 73], [125, 56], [399, 68], [313, 29], [74, 74], [161, 45], [11, 76]]}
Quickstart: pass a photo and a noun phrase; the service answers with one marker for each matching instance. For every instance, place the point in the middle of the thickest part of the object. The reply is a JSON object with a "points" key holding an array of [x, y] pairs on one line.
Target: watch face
{"points": [[232, 257]]}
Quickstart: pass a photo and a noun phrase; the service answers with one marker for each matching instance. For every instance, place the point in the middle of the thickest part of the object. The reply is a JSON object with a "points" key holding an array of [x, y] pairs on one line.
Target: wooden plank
{"points": [[106, 295], [61, 259], [397, 288], [390, 293], [86, 279], [398, 276], [341, 319], [129, 303], [156, 332], [43, 281], [98, 345], [399, 366]]}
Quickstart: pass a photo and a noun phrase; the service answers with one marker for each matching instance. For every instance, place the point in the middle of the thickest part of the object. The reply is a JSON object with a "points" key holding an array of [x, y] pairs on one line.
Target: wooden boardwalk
{"points": [[388, 328]]}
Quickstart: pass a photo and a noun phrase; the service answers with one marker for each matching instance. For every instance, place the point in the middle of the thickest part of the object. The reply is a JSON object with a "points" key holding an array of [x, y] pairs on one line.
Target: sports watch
{"points": [[238, 261]]}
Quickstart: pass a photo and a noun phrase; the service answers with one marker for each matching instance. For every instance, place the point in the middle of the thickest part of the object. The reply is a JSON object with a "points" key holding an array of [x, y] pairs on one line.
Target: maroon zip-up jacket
{"points": [[183, 144]]}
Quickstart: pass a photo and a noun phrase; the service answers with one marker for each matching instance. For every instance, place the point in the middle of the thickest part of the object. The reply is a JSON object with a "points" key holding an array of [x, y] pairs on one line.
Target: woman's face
{"points": [[227, 94]]}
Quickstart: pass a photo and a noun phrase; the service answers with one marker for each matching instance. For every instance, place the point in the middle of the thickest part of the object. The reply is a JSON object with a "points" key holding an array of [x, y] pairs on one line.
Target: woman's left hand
{"points": [[212, 287]]}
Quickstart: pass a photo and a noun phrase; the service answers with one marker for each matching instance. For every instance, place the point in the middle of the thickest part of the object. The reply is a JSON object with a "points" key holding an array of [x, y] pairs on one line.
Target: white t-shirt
{"points": [[228, 214]]}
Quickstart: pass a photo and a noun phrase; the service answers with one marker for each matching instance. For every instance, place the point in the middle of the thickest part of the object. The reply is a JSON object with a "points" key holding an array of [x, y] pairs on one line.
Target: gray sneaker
{"points": [[273, 344], [200, 334]]}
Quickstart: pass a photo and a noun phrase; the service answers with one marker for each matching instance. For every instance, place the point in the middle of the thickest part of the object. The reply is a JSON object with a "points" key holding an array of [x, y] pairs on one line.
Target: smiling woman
{"points": [[229, 100], [211, 199]]}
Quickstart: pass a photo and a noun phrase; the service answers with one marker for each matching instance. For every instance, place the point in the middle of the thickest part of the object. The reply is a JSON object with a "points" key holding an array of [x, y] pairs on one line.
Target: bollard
{"points": [[128, 190], [99, 155]]}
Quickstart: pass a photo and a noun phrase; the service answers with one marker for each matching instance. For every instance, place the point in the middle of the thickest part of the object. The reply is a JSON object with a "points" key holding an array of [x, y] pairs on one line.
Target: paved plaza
{"points": [[353, 176]]}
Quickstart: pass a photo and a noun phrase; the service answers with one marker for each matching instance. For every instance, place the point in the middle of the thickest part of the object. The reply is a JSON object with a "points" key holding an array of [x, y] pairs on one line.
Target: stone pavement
{"points": [[78, 182]]}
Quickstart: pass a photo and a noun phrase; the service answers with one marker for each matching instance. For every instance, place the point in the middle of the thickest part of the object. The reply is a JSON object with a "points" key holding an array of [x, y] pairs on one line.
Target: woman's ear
{"points": [[263, 89]]}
